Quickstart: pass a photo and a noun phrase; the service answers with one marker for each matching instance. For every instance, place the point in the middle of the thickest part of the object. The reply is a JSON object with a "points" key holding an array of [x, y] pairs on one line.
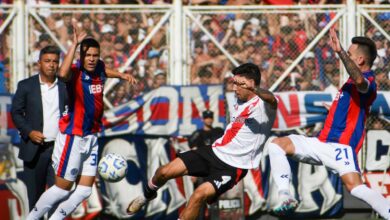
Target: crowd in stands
{"points": [[272, 41], [200, 2]]}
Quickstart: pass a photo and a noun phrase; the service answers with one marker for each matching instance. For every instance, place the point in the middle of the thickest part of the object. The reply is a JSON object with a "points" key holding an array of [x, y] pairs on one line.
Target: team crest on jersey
{"points": [[338, 95], [74, 172], [87, 77]]}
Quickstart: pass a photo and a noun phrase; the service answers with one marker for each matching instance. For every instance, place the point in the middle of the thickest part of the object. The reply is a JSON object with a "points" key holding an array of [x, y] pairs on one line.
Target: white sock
{"points": [[280, 168], [152, 186], [46, 202], [374, 199], [68, 206]]}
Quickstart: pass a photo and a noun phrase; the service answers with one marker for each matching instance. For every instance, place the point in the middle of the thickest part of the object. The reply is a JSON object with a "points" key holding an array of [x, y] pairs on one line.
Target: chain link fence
{"points": [[375, 21], [120, 33], [271, 39]]}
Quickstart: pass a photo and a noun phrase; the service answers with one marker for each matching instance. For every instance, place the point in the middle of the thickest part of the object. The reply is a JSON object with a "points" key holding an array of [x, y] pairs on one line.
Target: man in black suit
{"points": [[36, 108]]}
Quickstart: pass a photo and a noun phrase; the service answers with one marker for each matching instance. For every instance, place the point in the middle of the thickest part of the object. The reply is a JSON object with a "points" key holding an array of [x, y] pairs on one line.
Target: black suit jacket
{"points": [[27, 113]]}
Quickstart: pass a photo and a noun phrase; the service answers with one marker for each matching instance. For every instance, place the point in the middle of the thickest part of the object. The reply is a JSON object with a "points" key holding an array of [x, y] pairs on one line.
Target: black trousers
{"points": [[37, 174]]}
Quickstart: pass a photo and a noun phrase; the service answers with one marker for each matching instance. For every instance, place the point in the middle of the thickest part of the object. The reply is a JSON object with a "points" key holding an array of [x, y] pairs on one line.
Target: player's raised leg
{"points": [[174, 169], [355, 186], [278, 150], [203, 193]]}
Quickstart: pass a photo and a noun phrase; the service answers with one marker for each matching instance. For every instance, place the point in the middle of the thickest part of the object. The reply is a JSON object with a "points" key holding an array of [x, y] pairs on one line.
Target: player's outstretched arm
{"points": [[115, 74], [64, 72], [264, 94], [352, 69], [267, 96]]}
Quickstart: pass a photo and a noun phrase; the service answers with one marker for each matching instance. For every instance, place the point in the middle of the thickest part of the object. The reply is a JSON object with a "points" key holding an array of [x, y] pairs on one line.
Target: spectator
{"points": [[119, 54], [159, 79], [206, 136], [382, 80], [323, 52], [285, 45], [379, 40], [88, 26], [43, 41], [309, 70], [205, 76], [65, 29], [120, 96], [329, 70], [109, 61], [302, 84], [386, 59], [3, 79]]}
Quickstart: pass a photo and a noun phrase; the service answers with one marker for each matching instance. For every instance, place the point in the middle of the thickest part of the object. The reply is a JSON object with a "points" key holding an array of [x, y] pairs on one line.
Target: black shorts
{"points": [[202, 162]]}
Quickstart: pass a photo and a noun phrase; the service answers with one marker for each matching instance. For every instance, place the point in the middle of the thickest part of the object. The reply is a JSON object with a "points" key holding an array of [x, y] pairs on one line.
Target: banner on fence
{"points": [[176, 110], [320, 191]]}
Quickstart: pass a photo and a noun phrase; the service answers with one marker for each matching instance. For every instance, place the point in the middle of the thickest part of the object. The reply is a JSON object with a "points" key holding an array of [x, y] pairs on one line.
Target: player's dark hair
{"points": [[249, 71], [86, 44], [368, 47], [49, 50]]}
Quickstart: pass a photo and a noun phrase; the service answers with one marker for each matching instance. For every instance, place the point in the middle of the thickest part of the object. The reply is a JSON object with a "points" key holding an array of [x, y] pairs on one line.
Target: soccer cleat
{"points": [[140, 202], [136, 205], [286, 206]]}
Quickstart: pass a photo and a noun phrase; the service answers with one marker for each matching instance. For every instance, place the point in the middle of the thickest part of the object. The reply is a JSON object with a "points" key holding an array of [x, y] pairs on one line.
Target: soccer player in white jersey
{"points": [[230, 157]]}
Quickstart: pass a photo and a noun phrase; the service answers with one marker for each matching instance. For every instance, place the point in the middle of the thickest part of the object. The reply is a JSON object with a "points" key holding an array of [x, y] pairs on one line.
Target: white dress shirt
{"points": [[51, 110]]}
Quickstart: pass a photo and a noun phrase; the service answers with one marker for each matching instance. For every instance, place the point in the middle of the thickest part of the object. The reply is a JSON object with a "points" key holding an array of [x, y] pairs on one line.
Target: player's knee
{"points": [[351, 180], [275, 148], [199, 196], [351, 186], [283, 143], [63, 183]]}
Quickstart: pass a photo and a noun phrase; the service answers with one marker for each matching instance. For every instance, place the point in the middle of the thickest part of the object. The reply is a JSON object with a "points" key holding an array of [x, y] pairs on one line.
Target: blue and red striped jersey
{"points": [[85, 106], [347, 115]]}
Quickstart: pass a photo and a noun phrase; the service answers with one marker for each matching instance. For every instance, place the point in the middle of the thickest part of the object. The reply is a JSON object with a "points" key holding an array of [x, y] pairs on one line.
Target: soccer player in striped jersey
{"points": [[230, 157], [339, 141], [75, 151]]}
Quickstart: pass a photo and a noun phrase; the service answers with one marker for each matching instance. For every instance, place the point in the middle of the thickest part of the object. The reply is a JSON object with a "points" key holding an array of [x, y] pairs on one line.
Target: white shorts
{"points": [[74, 155], [336, 157]]}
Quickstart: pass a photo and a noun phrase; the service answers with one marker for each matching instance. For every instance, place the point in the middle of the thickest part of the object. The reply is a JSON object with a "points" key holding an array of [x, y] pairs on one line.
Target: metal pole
{"points": [[351, 9], [7, 21], [19, 65], [48, 31], [351, 32], [176, 75]]}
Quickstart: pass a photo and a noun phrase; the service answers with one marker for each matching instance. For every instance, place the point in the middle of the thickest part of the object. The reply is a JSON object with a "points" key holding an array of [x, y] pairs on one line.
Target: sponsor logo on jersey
{"points": [[94, 89]]}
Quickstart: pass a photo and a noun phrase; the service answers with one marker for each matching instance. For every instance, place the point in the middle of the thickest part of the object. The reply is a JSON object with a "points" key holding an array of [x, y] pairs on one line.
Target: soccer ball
{"points": [[112, 167]]}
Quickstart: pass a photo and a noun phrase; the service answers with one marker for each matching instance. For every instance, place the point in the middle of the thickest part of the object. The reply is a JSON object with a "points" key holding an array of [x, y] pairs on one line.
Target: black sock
{"points": [[149, 193]]}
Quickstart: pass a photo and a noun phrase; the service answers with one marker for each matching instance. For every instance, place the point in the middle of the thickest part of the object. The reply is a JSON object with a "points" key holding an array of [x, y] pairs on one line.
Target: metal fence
{"points": [[374, 22], [197, 44]]}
